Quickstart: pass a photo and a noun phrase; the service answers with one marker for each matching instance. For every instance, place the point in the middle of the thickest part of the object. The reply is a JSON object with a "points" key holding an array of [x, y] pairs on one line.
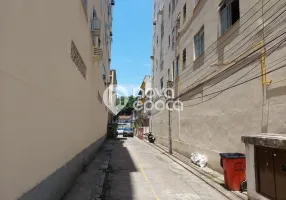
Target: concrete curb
{"points": [[229, 194]]}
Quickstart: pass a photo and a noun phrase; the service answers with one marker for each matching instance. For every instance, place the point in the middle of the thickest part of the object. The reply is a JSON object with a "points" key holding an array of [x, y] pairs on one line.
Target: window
{"points": [[169, 75], [173, 71], [169, 41], [178, 22], [177, 66], [185, 12], [157, 39], [170, 8], [184, 58], [173, 5], [162, 82], [173, 38], [199, 41], [162, 65], [98, 42], [229, 14], [162, 29]]}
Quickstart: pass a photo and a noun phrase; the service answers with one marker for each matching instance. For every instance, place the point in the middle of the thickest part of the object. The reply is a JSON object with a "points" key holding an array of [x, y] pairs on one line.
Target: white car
{"points": [[120, 131]]}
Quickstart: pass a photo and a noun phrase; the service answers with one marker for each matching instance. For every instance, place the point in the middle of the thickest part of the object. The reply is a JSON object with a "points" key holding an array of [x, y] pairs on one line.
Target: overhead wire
{"points": [[226, 69], [263, 46], [233, 85], [234, 31], [189, 99], [211, 46], [181, 80]]}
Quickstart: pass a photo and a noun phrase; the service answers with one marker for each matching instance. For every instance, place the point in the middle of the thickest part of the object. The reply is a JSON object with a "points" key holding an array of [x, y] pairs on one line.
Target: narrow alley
{"points": [[137, 171]]}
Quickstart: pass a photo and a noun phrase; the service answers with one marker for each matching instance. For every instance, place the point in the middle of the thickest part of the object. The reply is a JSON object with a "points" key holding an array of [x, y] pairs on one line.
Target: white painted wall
{"points": [[48, 111], [217, 125]]}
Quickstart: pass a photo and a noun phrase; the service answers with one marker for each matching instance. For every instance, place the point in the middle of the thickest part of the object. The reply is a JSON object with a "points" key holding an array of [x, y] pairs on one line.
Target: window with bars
{"points": [[184, 12], [177, 65], [229, 14], [184, 58], [199, 41]]}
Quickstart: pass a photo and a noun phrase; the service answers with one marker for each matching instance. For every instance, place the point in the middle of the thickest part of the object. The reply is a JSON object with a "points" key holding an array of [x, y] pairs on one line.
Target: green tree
{"points": [[127, 110]]}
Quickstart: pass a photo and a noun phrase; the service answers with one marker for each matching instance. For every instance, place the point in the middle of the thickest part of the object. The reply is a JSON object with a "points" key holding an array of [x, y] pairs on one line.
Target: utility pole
{"points": [[170, 105]]}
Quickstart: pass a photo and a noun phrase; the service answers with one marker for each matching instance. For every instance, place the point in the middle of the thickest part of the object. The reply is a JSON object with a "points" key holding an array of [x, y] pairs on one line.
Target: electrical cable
{"points": [[239, 60], [210, 74], [223, 89], [188, 74], [209, 48], [233, 85]]}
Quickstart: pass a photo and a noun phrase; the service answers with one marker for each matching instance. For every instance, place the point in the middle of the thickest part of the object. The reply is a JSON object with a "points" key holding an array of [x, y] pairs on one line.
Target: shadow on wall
{"points": [[118, 184], [276, 92], [57, 184]]}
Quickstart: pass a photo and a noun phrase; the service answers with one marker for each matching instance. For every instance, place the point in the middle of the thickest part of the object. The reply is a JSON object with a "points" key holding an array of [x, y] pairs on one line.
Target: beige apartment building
{"points": [[226, 59], [55, 58]]}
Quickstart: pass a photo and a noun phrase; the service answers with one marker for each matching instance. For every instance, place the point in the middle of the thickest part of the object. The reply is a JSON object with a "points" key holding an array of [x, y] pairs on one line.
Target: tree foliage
{"points": [[127, 110]]}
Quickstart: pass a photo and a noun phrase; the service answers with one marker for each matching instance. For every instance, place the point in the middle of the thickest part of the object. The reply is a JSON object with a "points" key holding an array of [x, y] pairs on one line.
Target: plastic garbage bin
{"points": [[234, 165]]}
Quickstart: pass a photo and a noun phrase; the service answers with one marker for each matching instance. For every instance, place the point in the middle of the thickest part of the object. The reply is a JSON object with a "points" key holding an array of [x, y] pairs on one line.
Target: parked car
{"points": [[128, 132], [120, 131]]}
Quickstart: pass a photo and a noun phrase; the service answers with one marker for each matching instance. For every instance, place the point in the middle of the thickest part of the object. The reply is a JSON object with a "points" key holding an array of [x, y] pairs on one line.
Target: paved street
{"points": [[139, 171]]}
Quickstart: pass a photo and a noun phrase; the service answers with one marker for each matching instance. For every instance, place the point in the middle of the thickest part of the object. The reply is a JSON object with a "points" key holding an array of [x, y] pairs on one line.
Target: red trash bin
{"points": [[234, 166]]}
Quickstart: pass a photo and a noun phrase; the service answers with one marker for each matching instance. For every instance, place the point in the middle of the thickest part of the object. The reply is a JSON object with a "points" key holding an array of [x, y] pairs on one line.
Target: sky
{"points": [[132, 42]]}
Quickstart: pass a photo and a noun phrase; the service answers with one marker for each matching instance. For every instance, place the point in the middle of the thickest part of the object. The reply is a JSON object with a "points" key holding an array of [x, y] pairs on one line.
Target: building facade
{"points": [[55, 56], [226, 60], [144, 113]]}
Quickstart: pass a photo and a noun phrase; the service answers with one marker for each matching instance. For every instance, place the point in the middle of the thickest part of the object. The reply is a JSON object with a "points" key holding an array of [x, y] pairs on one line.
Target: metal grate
{"points": [[77, 59]]}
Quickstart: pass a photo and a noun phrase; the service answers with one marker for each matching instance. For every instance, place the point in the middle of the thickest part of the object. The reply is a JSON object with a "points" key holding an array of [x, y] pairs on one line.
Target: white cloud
{"points": [[131, 89]]}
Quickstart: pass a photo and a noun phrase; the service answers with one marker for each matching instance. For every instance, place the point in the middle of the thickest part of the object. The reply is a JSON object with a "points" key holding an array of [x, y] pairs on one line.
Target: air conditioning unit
{"points": [[97, 54], [95, 26]]}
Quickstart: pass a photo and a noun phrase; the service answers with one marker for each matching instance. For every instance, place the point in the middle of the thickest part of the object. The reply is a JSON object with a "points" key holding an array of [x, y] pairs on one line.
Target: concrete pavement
{"points": [[139, 172]]}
